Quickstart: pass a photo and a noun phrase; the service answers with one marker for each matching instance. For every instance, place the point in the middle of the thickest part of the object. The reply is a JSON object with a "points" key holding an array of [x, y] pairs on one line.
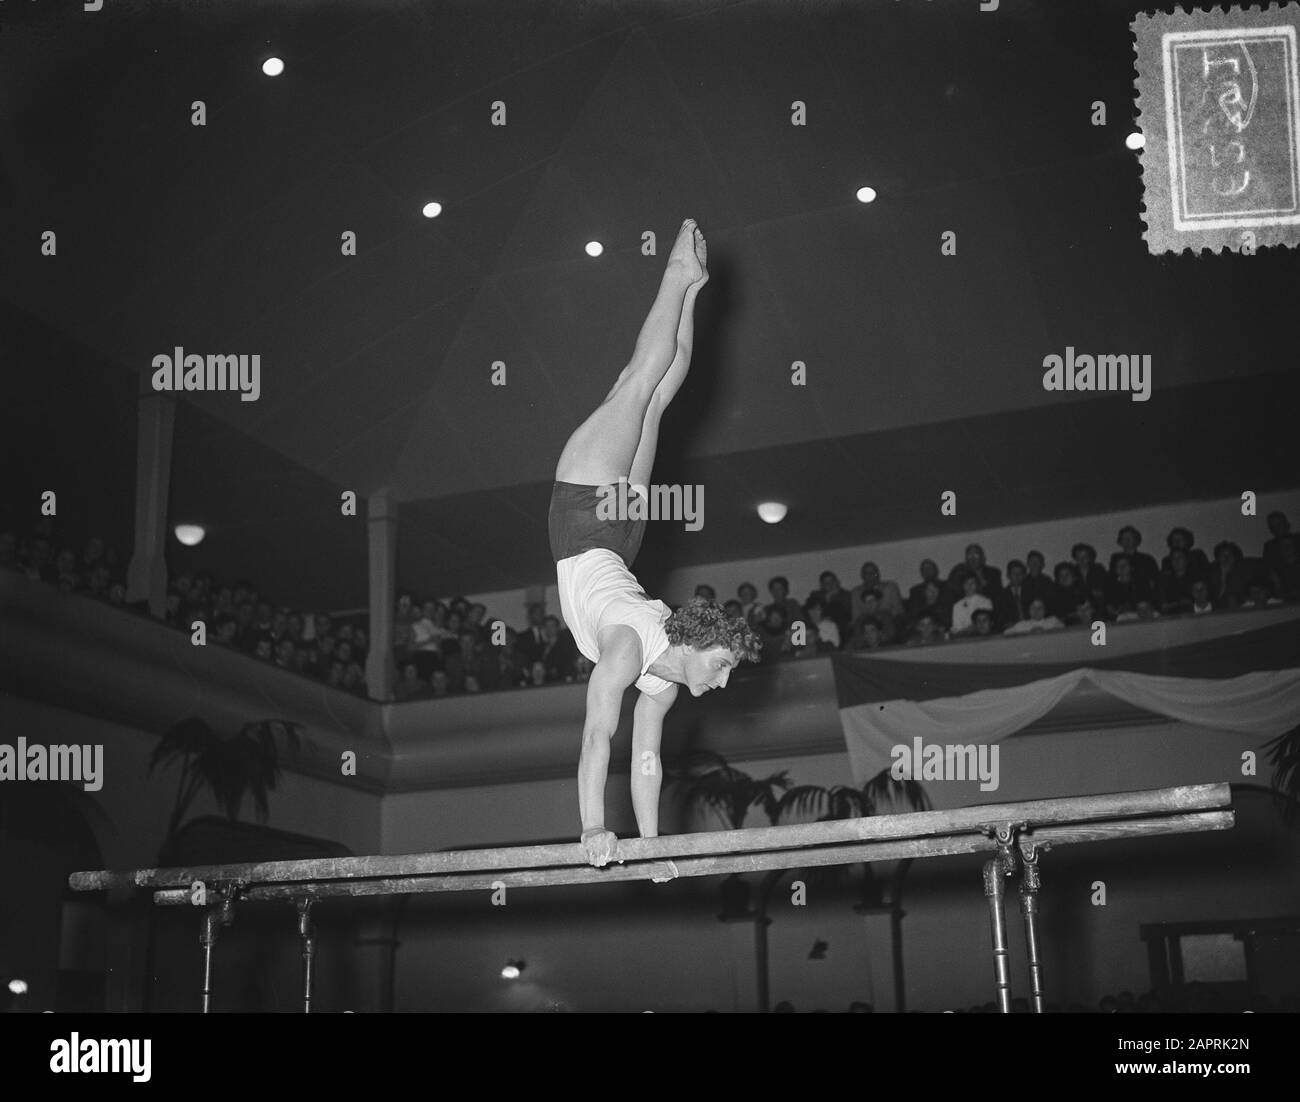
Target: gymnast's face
{"points": [[708, 669]]}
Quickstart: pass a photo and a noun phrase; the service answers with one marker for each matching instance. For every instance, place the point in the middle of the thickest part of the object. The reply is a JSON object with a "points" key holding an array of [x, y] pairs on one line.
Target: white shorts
{"points": [[596, 590]]}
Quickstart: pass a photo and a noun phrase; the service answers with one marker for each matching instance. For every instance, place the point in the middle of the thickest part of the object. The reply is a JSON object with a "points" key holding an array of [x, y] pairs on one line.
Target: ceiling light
{"points": [[190, 534], [273, 66], [432, 210], [512, 969], [866, 195], [594, 248], [772, 511]]}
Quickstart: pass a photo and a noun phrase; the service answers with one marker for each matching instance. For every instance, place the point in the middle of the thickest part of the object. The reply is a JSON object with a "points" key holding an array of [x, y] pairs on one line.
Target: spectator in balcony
{"points": [[65, 566], [982, 623], [988, 579], [354, 679], [246, 629], [293, 627], [451, 644], [1280, 528], [262, 617], [172, 608], [1039, 620], [92, 554], [537, 674], [224, 602], [707, 592], [872, 607], [1202, 602], [935, 606], [916, 598], [889, 598], [971, 599], [1090, 573], [405, 611], [1145, 570], [429, 636], [750, 609], [822, 634], [1229, 576], [868, 636], [262, 649], [928, 631], [38, 564], [460, 606], [1259, 594], [1069, 591], [837, 605], [476, 619], [791, 610], [1176, 583], [409, 686], [335, 676], [117, 594], [1084, 614], [1038, 586], [532, 642], [1144, 610], [344, 632], [734, 608], [1288, 568], [560, 651], [1012, 604], [1181, 539], [227, 630], [775, 632], [1124, 589], [324, 624], [279, 624], [284, 653], [510, 671]]}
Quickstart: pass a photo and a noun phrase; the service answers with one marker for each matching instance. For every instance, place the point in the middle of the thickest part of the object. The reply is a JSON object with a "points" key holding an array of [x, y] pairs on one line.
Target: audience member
{"points": [[1038, 620]]}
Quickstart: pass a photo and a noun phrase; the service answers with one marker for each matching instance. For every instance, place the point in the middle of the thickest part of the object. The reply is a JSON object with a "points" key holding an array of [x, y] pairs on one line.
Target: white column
{"points": [[146, 574], [382, 519]]}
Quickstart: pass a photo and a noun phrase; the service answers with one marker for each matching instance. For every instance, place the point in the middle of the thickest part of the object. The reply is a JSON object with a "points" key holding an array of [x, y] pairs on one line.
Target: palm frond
{"points": [[1284, 756]]}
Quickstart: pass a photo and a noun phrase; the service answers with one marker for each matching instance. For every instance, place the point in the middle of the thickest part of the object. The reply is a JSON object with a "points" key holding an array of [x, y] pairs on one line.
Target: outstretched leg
{"points": [[603, 448]]}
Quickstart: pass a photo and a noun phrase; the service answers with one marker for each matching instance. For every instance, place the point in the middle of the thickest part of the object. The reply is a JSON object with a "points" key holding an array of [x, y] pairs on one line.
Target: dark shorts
{"points": [[576, 524]]}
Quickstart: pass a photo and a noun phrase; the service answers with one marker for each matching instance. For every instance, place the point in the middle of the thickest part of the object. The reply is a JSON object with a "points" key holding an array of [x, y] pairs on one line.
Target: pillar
{"points": [[382, 519], [146, 574]]}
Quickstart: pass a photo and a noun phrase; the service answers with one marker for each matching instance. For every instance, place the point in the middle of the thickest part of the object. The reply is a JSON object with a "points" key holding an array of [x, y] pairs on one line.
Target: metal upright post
{"points": [[994, 870], [1029, 885], [307, 932]]}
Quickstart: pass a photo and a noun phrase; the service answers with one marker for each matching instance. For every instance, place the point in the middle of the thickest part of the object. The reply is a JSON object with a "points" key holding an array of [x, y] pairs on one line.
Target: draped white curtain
{"points": [[1263, 704]]}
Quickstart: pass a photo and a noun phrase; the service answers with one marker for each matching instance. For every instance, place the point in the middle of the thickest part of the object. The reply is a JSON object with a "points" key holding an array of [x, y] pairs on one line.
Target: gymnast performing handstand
{"points": [[630, 638]]}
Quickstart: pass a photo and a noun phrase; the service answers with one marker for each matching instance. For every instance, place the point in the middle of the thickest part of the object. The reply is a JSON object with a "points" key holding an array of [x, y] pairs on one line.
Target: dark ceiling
{"points": [[924, 371]]}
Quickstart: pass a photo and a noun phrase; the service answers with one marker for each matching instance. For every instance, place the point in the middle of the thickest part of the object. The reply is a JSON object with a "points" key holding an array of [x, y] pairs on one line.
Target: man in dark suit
{"points": [[531, 643], [1012, 604]]}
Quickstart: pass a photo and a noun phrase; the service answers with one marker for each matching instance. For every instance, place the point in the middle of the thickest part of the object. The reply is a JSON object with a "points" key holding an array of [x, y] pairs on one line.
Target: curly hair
{"points": [[704, 624]]}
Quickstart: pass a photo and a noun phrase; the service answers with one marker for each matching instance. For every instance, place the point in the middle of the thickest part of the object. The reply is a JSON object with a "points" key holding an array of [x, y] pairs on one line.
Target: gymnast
{"points": [[631, 639]]}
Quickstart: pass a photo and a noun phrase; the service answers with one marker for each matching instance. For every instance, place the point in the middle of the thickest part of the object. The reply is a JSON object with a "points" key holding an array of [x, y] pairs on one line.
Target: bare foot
{"points": [[690, 253]]}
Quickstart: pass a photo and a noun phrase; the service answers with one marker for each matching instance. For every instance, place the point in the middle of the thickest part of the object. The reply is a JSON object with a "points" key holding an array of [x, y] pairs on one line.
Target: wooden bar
{"points": [[806, 838], [719, 865]]}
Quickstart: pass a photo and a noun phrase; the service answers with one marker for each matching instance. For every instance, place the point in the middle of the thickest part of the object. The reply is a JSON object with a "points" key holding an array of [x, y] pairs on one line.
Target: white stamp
{"points": [[1219, 108]]}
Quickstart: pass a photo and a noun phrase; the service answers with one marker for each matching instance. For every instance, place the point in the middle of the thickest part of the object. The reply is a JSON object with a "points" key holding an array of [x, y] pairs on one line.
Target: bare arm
{"points": [[619, 667], [647, 767]]}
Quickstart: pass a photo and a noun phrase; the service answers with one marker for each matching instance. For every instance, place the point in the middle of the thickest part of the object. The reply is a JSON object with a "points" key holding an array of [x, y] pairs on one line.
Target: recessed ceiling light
{"points": [[866, 195], [772, 511], [432, 210], [190, 534], [273, 66], [594, 248]]}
